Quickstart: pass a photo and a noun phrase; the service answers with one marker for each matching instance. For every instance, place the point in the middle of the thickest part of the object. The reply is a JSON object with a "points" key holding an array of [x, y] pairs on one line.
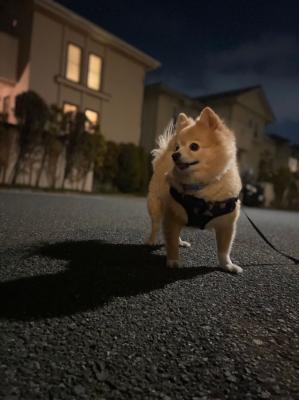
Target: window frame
{"points": [[91, 53], [81, 62]]}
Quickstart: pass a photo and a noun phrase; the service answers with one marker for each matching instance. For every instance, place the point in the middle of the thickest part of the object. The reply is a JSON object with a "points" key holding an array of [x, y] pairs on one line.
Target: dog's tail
{"points": [[163, 140]]}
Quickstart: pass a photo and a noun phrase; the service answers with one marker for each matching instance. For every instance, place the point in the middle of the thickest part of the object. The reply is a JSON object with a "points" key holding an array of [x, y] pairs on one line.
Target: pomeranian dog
{"points": [[196, 183]]}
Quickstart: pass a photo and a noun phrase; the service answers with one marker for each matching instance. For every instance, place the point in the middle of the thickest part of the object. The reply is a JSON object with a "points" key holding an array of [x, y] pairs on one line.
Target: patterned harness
{"points": [[199, 211]]}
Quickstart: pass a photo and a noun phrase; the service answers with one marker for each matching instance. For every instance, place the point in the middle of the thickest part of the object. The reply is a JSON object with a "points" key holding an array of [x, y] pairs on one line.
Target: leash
{"points": [[295, 260]]}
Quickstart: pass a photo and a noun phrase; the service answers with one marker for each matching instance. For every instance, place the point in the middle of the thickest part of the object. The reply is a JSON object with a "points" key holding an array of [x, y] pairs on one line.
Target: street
{"points": [[88, 312]]}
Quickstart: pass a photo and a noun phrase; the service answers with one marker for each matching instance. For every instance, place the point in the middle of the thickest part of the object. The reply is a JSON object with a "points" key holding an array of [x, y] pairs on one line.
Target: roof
{"points": [[229, 93], [163, 88], [98, 33], [278, 138], [236, 94]]}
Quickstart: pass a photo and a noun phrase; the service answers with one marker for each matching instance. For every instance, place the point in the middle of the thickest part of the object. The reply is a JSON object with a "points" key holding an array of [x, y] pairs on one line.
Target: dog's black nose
{"points": [[176, 156]]}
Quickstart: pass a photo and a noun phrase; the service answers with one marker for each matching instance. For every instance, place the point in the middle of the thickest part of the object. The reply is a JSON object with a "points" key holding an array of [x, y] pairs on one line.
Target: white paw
{"points": [[184, 244], [174, 264], [233, 268]]}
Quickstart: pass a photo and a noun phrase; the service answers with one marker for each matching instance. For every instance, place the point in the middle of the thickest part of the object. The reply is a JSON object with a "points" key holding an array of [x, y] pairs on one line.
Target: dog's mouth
{"points": [[183, 165]]}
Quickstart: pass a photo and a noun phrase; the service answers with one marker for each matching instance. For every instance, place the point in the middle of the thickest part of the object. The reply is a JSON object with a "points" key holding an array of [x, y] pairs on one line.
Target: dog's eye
{"points": [[177, 147], [194, 146]]}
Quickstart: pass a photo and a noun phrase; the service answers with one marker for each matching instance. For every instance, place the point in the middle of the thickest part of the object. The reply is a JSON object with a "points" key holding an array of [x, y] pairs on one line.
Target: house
{"points": [[283, 153], [247, 112], [72, 63], [161, 104]]}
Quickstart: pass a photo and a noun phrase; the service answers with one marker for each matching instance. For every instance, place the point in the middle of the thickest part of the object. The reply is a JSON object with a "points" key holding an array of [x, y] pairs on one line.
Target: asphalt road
{"points": [[88, 312]]}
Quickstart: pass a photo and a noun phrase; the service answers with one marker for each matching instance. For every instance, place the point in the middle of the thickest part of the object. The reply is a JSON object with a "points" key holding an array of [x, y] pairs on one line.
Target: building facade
{"points": [[161, 104], [246, 111], [72, 63]]}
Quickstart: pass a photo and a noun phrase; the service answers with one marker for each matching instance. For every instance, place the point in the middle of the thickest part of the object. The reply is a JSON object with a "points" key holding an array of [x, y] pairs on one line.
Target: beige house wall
{"points": [[124, 82], [159, 108], [224, 110], [119, 103], [42, 64], [170, 106], [45, 55], [10, 83], [9, 47], [246, 113], [246, 117], [13, 91], [36, 56]]}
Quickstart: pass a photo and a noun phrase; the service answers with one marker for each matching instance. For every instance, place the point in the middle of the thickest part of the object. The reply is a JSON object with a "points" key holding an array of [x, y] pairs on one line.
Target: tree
{"points": [[52, 144], [281, 180], [6, 139], [132, 170], [145, 169], [265, 167], [84, 150], [108, 172], [31, 112]]}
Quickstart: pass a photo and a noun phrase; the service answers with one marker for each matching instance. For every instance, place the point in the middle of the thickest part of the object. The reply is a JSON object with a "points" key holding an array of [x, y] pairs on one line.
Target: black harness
{"points": [[199, 211]]}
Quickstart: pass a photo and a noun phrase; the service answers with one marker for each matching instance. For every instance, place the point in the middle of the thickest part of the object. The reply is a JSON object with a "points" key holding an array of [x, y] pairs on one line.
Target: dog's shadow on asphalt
{"points": [[96, 272]]}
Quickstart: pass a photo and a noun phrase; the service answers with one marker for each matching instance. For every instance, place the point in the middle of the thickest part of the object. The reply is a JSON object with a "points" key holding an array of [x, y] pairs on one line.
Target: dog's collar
{"points": [[194, 187]]}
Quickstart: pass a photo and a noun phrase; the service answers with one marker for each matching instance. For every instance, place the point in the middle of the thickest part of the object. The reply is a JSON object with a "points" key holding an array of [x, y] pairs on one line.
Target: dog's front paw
{"points": [[184, 244], [150, 242], [233, 268], [174, 264]]}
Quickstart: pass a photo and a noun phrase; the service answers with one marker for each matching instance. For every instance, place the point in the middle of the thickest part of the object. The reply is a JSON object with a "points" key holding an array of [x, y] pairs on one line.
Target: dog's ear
{"points": [[182, 121], [209, 118]]}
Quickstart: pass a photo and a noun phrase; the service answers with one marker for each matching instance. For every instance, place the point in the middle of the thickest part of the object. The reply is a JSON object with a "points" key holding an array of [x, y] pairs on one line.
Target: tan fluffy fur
{"points": [[217, 169]]}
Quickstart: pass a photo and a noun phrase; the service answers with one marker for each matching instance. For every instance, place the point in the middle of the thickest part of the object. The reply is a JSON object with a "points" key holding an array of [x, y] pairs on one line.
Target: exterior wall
{"points": [[43, 32], [13, 91], [224, 109], [170, 106], [45, 57], [249, 130], [119, 103], [159, 109], [8, 64], [15, 20], [253, 101], [124, 82], [281, 155]]}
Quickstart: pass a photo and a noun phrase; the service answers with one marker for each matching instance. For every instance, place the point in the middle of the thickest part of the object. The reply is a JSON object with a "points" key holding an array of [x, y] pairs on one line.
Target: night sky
{"points": [[210, 46]]}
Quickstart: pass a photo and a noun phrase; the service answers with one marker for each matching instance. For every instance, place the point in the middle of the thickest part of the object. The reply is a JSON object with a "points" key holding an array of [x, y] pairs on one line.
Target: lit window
{"points": [[73, 65], [94, 72], [293, 164], [69, 108], [92, 116]]}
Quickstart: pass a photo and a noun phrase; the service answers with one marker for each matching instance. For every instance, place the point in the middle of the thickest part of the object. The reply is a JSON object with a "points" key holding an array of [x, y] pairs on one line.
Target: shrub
{"points": [[145, 169], [128, 177], [133, 168], [281, 180], [32, 113], [84, 150], [110, 168]]}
